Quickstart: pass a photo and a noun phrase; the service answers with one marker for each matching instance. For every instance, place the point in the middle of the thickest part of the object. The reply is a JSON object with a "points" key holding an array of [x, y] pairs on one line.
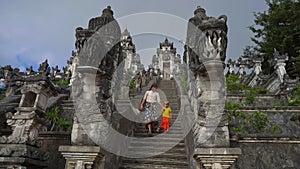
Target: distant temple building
{"points": [[166, 60], [132, 59]]}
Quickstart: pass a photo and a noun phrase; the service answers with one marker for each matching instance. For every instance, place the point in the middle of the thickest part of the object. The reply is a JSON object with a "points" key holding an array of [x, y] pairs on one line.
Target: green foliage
{"points": [[276, 28], [276, 129], [63, 123], [233, 84], [231, 108], [132, 84], [295, 98], [294, 70], [63, 82], [2, 97], [252, 93], [53, 116], [258, 121], [240, 129], [278, 104], [244, 122]]}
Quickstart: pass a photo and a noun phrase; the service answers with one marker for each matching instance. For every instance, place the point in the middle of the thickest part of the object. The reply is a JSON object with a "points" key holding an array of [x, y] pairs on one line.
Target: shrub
{"points": [[233, 84], [278, 104], [53, 116], [132, 84], [276, 129], [63, 82], [295, 98]]}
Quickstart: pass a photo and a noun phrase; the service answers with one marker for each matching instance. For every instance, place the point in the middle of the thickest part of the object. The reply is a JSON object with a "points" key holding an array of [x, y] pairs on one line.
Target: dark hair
{"points": [[153, 85]]}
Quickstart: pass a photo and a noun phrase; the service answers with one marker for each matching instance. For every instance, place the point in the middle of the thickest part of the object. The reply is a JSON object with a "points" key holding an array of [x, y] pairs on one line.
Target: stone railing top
{"points": [[271, 108], [218, 151]]}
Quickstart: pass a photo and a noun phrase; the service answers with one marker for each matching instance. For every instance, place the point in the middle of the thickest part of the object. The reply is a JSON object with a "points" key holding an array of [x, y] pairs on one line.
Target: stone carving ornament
{"points": [[205, 53]]}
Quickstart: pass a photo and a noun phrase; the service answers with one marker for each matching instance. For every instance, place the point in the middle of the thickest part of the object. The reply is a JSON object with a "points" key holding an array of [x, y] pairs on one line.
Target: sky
{"points": [[34, 30]]}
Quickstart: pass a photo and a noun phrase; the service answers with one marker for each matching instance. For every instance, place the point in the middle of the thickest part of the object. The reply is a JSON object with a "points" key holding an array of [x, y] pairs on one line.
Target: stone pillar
{"points": [[213, 130], [80, 136], [216, 158], [82, 157]]}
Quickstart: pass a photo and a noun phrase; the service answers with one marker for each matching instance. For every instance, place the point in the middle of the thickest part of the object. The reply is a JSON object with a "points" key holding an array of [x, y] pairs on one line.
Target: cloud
{"points": [[46, 28]]}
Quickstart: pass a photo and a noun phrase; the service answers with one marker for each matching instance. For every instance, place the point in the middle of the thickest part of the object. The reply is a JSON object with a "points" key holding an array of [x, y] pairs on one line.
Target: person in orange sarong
{"points": [[166, 116]]}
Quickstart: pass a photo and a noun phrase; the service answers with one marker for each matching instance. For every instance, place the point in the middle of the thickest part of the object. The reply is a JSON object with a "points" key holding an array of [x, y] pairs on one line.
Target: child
{"points": [[166, 116]]}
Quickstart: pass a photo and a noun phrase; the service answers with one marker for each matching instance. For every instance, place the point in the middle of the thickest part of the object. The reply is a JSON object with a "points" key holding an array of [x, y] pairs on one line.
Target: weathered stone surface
{"points": [[22, 156], [268, 155], [50, 144]]}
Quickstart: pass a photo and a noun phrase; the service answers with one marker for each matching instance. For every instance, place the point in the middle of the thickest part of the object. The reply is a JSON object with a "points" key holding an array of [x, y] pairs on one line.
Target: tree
{"points": [[278, 28]]}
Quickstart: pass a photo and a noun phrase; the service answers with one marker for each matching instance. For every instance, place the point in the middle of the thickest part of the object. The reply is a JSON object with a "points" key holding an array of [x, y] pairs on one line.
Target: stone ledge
{"points": [[221, 157], [22, 155], [8, 161], [80, 149], [218, 151], [82, 157], [289, 140]]}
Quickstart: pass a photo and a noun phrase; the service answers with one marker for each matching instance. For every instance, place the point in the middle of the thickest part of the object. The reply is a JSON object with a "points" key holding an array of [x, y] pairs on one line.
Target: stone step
{"points": [[157, 161], [146, 143], [167, 82], [164, 155], [178, 136], [150, 150], [67, 104], [173, 99], [12, 105], [168, 89], [171, 131], [161, 139], [174, 127], [151, 166], [67, 107]]}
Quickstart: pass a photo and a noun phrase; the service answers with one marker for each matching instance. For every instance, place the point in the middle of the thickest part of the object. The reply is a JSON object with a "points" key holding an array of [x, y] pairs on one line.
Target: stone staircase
{"points": [[163, 151]]}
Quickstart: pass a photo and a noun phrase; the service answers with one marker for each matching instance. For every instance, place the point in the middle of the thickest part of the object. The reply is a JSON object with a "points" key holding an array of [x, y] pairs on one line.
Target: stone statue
{"points": [[55, 71], [205, 53], [73, 69], [96, 64], [242, 65], [44, 68], [257, 65], [280, 64], [230, 65], [29, 70]]}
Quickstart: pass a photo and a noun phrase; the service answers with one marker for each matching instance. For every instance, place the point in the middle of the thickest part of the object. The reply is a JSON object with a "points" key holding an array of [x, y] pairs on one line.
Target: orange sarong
{"points": [[165, 124]]}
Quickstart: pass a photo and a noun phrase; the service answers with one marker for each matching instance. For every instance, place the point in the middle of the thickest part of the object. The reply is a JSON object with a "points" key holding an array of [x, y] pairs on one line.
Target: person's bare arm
{"points": [[143, 101], [141, 106]]}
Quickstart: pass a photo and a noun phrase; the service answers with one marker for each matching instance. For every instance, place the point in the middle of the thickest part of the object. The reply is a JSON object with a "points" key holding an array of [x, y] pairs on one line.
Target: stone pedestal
{"points": [[82, 157], [20, 156], [216, 158]]}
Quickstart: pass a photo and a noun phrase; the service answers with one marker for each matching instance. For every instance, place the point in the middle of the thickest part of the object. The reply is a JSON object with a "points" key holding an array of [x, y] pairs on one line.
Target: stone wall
{"points": [[50, 143], [265, 150], [287, 117], [261, 100], [259, 154]]}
